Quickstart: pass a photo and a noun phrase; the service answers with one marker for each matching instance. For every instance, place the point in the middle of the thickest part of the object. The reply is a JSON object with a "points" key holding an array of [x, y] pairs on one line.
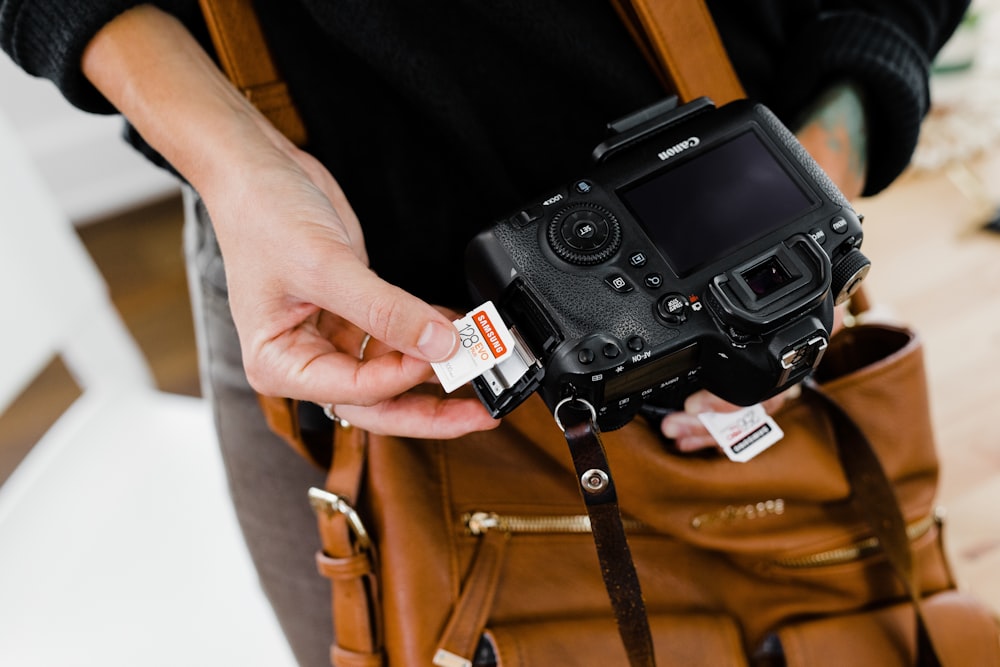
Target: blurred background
{"points": [[128, 214], [934, 239]]}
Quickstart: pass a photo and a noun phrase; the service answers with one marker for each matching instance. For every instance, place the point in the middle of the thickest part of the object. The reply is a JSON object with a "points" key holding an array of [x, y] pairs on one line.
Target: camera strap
{"points": [[246, 59], [578, 421], [678, 39], [682, 45]]}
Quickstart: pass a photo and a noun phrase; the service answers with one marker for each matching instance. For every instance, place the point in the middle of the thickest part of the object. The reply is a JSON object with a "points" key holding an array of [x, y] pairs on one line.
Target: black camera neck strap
{"points": [[578, 421]]}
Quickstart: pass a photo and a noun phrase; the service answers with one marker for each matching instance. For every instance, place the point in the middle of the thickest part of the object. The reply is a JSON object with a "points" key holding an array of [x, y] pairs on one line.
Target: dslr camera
{"points": [[705, 249]]}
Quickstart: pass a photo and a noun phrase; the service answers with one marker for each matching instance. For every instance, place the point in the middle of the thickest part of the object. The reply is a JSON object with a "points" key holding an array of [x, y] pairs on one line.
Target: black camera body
{"points": [[706, 249]]}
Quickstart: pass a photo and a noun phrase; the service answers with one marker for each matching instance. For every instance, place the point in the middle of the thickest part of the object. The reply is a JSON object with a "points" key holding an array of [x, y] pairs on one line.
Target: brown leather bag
{"points": [[739, 563]]}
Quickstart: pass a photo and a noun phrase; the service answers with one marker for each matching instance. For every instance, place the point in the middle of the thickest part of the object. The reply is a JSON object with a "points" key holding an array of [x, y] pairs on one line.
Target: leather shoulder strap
{"points": [[874, 497], [681, 43], [678, 38], [245, 58]]}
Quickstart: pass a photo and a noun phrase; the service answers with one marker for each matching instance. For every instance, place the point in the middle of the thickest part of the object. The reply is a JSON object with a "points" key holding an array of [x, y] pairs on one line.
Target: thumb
{"points": [[391, 315]]}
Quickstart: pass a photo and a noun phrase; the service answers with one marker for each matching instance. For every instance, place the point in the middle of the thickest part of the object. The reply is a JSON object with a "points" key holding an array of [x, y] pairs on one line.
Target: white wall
{"points": [[83, 158]]}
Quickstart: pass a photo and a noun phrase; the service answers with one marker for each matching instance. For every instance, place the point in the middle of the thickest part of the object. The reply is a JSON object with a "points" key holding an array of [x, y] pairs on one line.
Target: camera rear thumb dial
{"points": [[848, 275], [584, 234]]}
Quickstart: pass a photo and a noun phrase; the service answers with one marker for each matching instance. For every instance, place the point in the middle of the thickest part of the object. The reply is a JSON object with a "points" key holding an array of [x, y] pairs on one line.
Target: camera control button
{"points": [[637, 259], [618, 283], [839, 224], [611, 350], [527, 216], [585, 356], [584, 234], [636, 343], [818, 235], [653, 281], [672, 308], [583, 187], [587, 235]]}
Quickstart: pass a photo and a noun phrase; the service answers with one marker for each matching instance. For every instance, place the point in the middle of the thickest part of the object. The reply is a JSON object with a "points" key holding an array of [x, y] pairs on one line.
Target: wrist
{"points": [[835, 132], [156, 74]]}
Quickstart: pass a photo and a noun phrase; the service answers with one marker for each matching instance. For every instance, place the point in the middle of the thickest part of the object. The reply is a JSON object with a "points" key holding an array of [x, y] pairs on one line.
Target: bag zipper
{"points": [[480, 523], [857, 551]]}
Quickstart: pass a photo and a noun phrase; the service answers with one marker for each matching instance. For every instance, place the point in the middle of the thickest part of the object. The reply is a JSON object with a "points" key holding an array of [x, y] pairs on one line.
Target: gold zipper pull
{"points": [[479, 523]]}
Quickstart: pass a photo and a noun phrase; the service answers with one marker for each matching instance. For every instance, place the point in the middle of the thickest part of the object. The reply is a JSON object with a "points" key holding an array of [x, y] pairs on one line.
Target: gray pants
{"points": [[268, 481]]}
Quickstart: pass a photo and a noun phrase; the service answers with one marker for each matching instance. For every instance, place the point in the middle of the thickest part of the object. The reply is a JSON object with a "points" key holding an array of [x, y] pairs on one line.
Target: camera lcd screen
{"points": [[715, 203], [648, 375]]}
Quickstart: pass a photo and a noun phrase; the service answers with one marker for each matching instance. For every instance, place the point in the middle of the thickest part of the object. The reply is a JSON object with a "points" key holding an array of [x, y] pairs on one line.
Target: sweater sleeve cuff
{"points": [[889, 68], [47, 38]]}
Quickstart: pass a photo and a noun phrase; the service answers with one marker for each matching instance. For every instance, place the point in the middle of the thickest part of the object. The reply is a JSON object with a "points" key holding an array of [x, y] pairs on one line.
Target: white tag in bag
{"points": [[743, 433]]}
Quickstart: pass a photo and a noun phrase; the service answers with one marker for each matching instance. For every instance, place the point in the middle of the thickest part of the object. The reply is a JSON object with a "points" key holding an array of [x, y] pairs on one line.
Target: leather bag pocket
{"points": [[678, 639], [964, 632]]}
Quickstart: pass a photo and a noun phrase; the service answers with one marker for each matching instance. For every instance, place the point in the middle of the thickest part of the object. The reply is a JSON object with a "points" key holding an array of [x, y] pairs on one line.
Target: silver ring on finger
{"points": [[332, 416], [364, 345]]}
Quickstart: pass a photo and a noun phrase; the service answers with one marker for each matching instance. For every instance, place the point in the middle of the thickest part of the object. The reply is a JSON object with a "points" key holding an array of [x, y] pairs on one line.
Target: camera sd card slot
{"points": [[509, 372], [506, 385], [535, 326], [501, 367]]}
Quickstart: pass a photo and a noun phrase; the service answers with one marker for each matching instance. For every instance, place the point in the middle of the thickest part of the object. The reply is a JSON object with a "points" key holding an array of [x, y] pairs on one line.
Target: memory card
{"points": [[485, 342]]}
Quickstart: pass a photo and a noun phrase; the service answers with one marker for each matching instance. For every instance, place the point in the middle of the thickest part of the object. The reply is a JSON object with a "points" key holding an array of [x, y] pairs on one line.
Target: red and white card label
{"points": [[486, 341], [744, 433]]}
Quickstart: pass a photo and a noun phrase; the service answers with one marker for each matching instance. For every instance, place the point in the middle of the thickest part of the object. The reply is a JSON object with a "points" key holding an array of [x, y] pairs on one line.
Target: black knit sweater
{"points": [[437, 116]]}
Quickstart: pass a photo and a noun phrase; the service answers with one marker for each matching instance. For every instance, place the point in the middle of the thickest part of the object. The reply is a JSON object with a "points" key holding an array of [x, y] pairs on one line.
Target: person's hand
{"points": [[834, 134], [304, 302], [687, 431], [301, 293]]}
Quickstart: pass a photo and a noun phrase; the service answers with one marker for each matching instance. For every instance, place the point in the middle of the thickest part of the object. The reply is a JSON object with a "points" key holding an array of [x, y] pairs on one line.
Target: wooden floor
{"points": [[935, 267]]}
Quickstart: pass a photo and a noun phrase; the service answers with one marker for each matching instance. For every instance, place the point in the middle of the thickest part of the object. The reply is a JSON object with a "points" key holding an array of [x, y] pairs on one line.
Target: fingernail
{"points": [[697, 403], [672, 429], [437, 341]]}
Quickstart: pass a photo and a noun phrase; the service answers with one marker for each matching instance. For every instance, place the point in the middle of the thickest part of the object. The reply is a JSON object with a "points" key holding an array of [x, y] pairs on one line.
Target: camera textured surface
{"points": [[804, 158], [578, 296]]}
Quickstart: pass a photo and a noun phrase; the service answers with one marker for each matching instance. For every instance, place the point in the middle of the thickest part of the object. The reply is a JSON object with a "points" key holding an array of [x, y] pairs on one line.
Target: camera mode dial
{"points": [[584, 234]]}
